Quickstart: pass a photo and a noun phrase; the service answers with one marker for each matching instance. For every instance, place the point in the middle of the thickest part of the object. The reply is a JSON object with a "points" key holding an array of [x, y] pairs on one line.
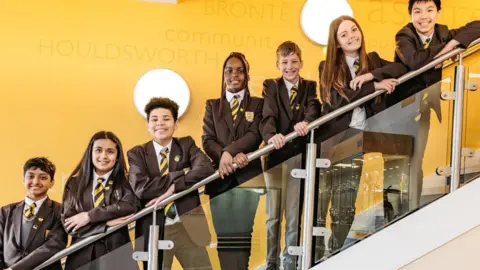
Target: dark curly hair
{"points": [[164, 103]]}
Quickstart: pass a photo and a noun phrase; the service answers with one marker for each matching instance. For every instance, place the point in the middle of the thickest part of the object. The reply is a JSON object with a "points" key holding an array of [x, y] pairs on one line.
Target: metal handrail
{"points": [[472, 48], [254, 155]]}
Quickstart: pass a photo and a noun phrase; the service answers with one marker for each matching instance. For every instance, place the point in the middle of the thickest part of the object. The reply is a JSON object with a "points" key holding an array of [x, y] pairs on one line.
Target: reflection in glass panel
{"points": [[226, 231], [382, 173], [241, 228], [118, 258], [363, 192]]}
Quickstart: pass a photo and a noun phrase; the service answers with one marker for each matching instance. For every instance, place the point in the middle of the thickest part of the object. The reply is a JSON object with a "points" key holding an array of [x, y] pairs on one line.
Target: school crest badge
{"points": [[249, 116], [110, 183]]}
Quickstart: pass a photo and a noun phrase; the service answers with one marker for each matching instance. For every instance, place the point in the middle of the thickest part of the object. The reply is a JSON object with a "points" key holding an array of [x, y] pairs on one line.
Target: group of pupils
{"points": [[102, 191]]}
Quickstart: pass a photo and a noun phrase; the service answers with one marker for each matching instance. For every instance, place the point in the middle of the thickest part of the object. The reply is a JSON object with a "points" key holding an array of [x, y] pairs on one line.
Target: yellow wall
{"points": [[69, 67]]}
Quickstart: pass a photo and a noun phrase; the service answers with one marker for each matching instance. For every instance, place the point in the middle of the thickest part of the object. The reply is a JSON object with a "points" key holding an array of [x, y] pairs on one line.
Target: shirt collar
{"points": [[229, 95], [423, 38], [289, 85], [159, 147], [105, 176], [39, 203], [351, 60]]}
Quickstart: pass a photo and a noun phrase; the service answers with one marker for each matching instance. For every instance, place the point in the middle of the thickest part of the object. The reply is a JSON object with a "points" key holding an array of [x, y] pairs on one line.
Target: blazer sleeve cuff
{"points": [[100, 228], [231, 150], [463, 43], [369, 88], [377, 75], [268, 137], [179, 184], [311, 118], [93, 214], [90, 230]]}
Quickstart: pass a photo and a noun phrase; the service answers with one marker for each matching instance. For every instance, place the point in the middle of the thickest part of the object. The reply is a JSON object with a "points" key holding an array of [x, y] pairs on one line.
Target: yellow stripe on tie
{"points": [[293, 95], [235, 108], [99, 200]]}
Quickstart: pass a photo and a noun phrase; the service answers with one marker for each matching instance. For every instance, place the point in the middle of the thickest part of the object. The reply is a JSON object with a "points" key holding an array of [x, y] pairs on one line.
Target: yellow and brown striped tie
{"points": [[164, 162], [426, 43], [356, 66], [293, 96], [99, 193], [235, 107], [30, 212]]}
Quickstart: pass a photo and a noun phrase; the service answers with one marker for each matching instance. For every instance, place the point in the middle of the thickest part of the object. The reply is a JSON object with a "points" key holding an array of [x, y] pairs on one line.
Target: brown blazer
{"points": [[120, 201], [383, 69], [220, 134], [43, 242], [409, 51], [147, 184], [279, 118]]}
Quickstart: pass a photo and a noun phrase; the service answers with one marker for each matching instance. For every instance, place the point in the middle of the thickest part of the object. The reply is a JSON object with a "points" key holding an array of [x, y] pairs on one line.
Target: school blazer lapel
{"points": [[87, 199], [241, 114], [175, 156], [17, 222], [418, 40], [302, 87], [227, 115], [436, 39], [42, 214], [349, 75], [108, 191], [284, 98], [152, 161]]}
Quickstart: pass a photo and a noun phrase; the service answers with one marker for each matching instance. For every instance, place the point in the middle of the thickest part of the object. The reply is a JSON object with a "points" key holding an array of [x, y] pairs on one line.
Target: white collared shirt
{"points": [[289, 86], [95, 178], [359, 115], [229, 96], [38, 203], [423, 38]]}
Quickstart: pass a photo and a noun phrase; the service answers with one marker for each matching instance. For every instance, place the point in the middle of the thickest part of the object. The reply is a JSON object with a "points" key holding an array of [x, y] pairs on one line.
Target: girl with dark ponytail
{"points": [[230, 132]]}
